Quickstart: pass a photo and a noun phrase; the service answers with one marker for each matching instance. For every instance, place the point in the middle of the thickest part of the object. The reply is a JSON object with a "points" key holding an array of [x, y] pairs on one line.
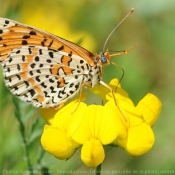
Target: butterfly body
{"points": [[44, 69]]}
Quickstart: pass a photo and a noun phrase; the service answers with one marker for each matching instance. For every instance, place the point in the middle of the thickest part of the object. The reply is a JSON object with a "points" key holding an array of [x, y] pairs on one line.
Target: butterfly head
{"points": [[104, 57]]}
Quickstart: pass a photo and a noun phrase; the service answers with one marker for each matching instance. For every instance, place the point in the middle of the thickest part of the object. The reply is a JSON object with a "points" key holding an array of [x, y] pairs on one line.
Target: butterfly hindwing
{"points": [[43, 77]]}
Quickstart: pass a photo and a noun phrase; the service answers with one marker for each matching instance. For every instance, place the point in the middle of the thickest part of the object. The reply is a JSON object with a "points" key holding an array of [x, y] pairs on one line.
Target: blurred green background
{"points": [[149, 67]]}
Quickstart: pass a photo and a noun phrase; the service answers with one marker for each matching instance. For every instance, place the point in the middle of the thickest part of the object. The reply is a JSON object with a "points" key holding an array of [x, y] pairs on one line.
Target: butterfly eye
{"points": [[104, 57]]}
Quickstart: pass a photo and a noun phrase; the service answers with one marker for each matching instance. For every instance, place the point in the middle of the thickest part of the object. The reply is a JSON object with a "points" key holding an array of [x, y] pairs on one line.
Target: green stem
{"points": [[26, 149], [98, 169], [18, 116]]}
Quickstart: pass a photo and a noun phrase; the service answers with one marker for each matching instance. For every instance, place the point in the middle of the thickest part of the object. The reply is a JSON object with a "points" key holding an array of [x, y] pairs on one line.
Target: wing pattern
{"points": [[41, 68]]}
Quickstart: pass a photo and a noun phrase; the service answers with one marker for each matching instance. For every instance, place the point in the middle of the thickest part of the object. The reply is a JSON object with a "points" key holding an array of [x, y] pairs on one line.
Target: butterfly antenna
{"points": [[117, 27]]}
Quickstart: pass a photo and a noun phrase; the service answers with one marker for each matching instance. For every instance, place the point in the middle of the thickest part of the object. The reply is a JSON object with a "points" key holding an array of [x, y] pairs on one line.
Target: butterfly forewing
{"points": [[14, 35], [41, 68]]}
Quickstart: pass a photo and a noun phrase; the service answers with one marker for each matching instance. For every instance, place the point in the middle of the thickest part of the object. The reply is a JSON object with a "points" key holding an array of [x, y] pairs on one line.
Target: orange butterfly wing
{"points": [[14, 34]]}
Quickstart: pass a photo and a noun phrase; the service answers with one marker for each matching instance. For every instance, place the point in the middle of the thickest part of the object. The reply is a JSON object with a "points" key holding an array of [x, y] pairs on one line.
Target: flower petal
{"points": [[140, 139], [56, 142], [101, 90], [115, 121], [92, 153], [100, 122], [76, 119], [115, 83], [65, 116], [48, 114], [129, 114], [150, 106]]}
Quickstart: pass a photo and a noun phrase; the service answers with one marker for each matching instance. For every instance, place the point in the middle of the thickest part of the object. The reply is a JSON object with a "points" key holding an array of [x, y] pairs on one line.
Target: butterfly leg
{"points": [[112, 92], [59, 106], [80, 97], [124, 51], [107, 86]]}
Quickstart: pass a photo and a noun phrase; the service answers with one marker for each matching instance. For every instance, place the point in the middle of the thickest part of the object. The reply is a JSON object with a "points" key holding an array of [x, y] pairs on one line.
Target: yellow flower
{"points": [[55, 141], [93, 126]]}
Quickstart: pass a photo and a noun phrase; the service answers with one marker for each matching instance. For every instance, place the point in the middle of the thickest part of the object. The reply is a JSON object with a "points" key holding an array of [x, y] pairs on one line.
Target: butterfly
{"points": [[46, 70]]}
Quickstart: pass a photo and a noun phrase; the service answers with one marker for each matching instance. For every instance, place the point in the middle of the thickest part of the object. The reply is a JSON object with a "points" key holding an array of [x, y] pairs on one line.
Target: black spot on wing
{"points": [[51, 81], [32, 33], [31, 73], [32, 92], [30, 51], [71, 92], [38, 71], [70, 54], [43, 42], [41, 65], [16, 88], [81, 61], [77, 86], [18, 76], [50, 43], [18, 51], [24, 42], [10, 60], [61, 48], [23, 58], [46, 94], [82, 67], [51, 54], [26, 36], [37, 58], [43, 85], [32, 65], [52, 89], [26, 83], [18, 67], [38, 78], [48, 60], [71, 85], [6, 22], [40, 51]]}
